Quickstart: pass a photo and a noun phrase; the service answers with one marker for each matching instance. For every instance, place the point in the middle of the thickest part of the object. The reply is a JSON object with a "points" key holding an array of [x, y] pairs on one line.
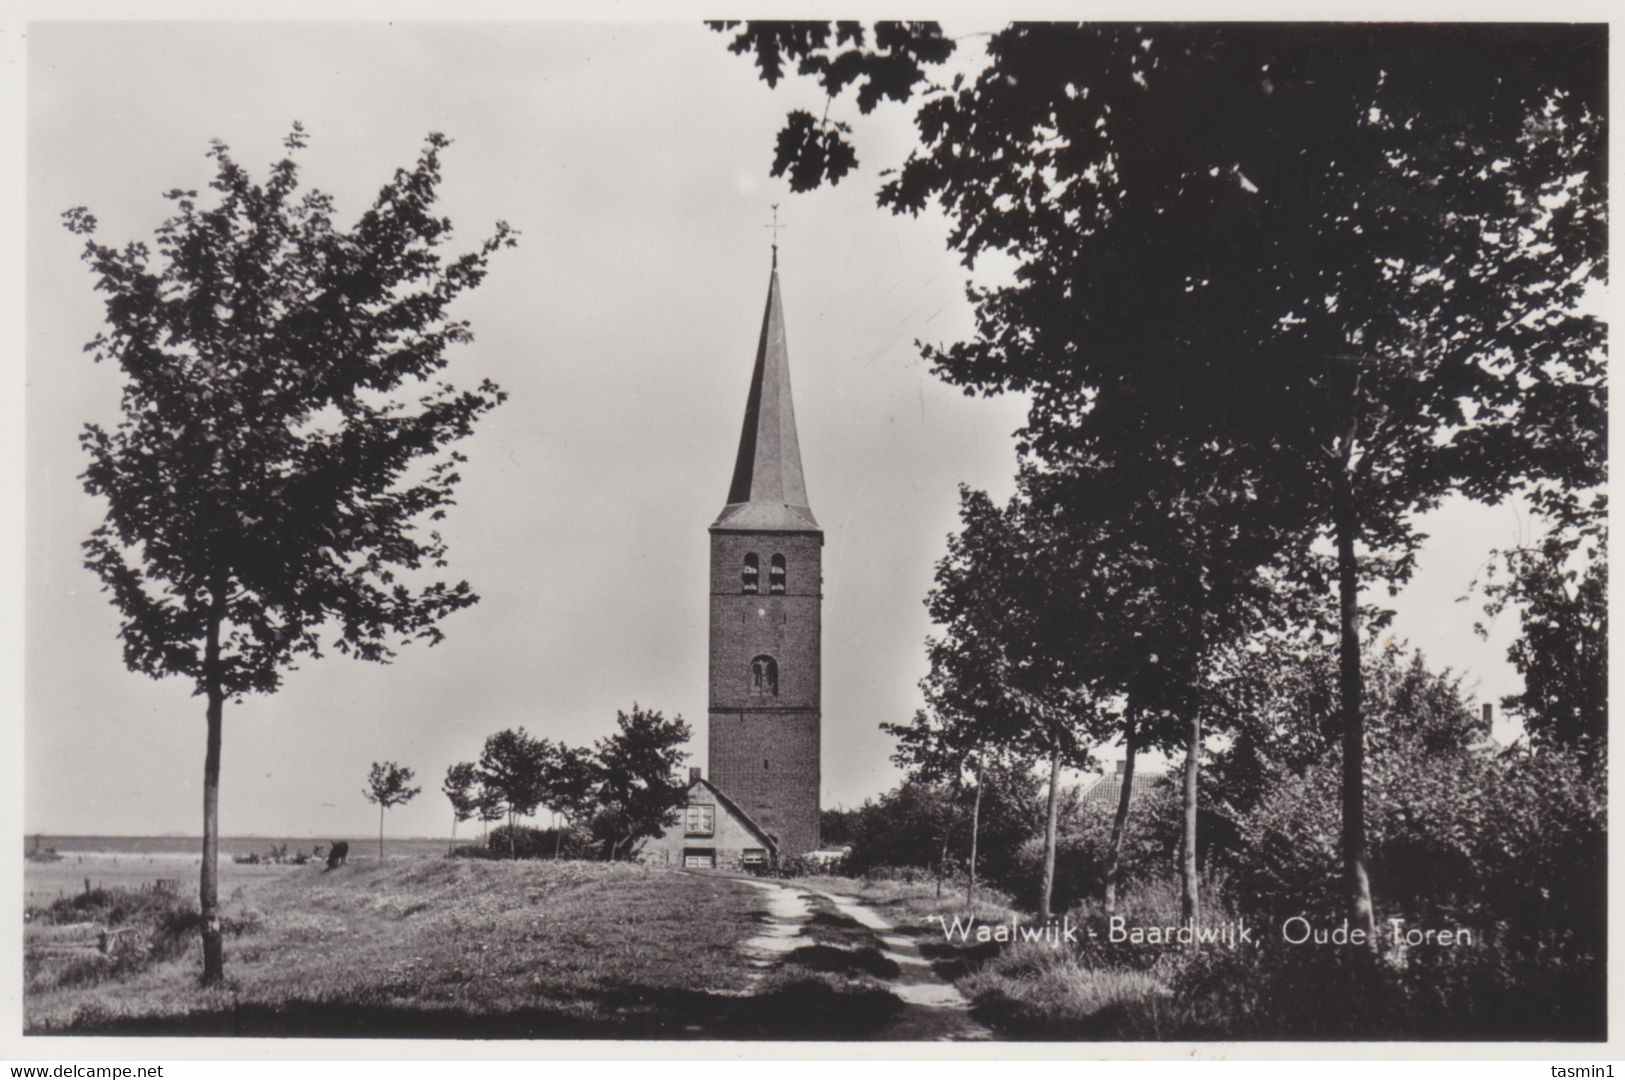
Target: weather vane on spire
{"points": [[775, 226]]}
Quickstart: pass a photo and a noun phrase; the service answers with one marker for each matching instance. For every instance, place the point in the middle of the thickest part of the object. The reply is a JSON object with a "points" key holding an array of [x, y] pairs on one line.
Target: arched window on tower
{"points": [[775, 575], [751, 574], [764, 677]]}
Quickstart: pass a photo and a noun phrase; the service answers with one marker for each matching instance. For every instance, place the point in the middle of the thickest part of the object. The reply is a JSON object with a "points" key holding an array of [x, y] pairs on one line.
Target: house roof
{"points": [[1108, 789], [736, 810], [769, 492]]}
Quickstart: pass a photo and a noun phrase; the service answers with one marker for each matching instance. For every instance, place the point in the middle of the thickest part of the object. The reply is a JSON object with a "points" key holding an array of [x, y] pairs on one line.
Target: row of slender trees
{"points": [[1277, 292], [627, 784]]}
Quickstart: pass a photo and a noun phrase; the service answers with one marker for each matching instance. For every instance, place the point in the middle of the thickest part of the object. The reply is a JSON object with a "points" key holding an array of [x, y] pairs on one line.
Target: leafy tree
{"points": [[1284, 697], [1559, 588], [901, 828], [965, 733], [638, 766], [572, 786], [513, 775], [489, 806], [284, 436], [387, 786], [1004, 669], [1349, 261], [835, 825], [461, 788]]}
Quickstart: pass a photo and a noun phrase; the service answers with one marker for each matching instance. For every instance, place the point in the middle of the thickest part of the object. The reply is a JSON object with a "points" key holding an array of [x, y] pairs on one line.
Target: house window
{"points": [[699, 859], [775, 575], [701, 820], [753, 858], [750, 575], [764, 677]]}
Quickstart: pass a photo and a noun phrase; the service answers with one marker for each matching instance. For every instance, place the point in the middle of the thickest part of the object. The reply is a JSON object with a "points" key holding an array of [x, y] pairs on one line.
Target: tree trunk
{"points": [[1350, 691], [1114, 856], [1189, 901], [975, 827], [513, 842], [452, 850], [1048, 889], [558, 840], [214, 952], [380, 832], [947, 833]]}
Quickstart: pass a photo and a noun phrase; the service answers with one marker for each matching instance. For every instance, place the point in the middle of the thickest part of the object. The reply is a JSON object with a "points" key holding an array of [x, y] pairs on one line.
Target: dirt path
{"points": [[932, 1008]]}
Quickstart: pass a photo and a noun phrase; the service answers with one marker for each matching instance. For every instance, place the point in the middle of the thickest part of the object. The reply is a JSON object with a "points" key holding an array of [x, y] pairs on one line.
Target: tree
{"points": [[572, 785], [284, 437], [1007, 665], [1559, 588], [1358, 259], [964, 728], [513, 774], [460, 788], [639, 787], [489, 806], [387, 787]]}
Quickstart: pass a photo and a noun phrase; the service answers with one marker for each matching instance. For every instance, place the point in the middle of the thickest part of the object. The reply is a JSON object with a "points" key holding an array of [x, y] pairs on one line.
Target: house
{"points": [[714, 833]]}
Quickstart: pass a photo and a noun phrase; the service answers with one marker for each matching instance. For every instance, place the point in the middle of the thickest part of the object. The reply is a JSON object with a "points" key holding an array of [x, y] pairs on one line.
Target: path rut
{"points": [[932, 1007]]}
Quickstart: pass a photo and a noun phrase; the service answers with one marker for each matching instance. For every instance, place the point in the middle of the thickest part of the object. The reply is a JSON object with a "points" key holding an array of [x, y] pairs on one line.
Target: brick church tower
{"points": [[766, 590]]}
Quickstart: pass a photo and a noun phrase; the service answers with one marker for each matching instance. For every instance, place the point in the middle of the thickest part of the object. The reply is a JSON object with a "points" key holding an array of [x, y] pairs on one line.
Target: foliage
{"points": [[1359, 254], [460, 788], [525, 842], [285, 435], [905, 826], [1559, 588], [513, 774], [1149, 850], [835, 825], [389, 785], [1286, 718], [572, 782], [263, 479], [1510, 843], [813, 151], [638, 775]]}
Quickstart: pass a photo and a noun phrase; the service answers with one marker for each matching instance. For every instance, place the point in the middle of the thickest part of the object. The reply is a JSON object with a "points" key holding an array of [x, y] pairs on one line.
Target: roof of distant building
{"points": [[1109, 788]]}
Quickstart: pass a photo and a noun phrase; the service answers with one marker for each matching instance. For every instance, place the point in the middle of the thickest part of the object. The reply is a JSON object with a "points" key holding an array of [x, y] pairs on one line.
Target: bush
{"points": [[801, 866], [138, 929], [1469, 837], [524, 842], [1083, 844]]}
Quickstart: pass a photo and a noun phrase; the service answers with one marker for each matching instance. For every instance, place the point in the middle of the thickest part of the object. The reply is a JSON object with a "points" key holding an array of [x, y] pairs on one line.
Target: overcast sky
{"points": [[634, 159]]}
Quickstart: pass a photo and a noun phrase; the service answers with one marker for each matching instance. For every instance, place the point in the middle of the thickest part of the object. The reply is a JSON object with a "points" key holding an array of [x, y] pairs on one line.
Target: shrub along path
{"points": [[851, 939]]}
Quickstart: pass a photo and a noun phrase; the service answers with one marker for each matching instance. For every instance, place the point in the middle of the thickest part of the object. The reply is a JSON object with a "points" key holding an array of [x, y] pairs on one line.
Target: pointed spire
{"points": [[768, 489]]}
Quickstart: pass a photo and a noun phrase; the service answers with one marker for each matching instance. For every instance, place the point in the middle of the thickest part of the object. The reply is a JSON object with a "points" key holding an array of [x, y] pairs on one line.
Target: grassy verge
{"points": [[1096, 990], [440, 947]]}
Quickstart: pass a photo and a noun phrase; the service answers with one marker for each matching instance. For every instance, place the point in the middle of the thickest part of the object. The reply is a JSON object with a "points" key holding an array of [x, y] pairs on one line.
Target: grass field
{"points": [[422, 947]]}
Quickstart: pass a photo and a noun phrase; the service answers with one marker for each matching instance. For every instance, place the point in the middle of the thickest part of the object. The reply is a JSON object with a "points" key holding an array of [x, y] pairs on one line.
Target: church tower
{"points": [[766, 590]]}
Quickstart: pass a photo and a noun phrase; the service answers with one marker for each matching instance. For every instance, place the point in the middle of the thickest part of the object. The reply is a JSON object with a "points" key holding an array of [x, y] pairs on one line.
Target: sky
{"points": [[634, 160]]}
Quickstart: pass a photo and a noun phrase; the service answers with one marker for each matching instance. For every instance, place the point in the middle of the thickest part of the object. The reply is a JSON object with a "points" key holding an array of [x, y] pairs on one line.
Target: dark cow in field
{"points": [[337, 854]]}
